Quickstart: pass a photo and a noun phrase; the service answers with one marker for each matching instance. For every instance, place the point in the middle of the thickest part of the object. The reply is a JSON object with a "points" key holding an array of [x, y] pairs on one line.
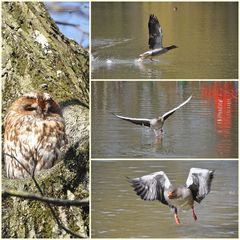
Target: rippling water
{"points": [[207, 126], [118, 212], [206, 35]]}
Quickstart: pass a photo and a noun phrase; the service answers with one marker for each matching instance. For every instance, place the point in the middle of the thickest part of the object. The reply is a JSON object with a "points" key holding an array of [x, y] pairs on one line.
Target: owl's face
{"points": [[36, 104]]}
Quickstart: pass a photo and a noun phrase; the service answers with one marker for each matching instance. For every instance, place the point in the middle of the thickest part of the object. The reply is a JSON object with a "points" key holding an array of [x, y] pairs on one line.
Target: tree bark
{"points": [[37, 57]]}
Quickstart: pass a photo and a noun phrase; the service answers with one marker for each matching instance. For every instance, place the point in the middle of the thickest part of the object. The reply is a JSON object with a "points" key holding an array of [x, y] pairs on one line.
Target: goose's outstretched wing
{"points": [[155, 33], [151, 187], [199, 182], [169, 113], [139, 121]]}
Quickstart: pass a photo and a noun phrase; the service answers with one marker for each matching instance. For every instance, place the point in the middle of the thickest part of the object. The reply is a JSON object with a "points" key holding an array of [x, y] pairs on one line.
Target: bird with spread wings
{"points": [[155, 40]]}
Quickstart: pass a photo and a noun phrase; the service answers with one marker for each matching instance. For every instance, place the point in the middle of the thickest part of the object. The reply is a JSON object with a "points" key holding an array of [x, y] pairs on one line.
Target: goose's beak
{"points": [[170, 195]]}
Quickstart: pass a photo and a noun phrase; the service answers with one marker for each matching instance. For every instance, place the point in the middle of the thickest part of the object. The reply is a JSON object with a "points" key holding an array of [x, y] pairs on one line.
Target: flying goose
{"points": [[156, 186], [155, 40], [156, 124]]}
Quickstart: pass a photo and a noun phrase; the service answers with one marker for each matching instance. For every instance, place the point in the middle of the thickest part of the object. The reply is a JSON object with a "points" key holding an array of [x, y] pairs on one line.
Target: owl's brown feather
{"points": [[34, 133]]}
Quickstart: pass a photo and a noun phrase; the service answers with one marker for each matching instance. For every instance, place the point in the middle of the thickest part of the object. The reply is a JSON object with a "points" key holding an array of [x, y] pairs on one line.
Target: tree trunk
{"points": [[37, 57]]}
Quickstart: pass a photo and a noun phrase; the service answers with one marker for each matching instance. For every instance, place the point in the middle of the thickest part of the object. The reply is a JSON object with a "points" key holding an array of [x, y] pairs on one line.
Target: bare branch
{"points": [[55, 201], [72, 25], [54, 7], [19, 163]]}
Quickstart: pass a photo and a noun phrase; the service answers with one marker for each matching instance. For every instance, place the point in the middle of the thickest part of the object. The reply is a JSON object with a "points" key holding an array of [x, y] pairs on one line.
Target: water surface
{"points": [[118, 212], [207, 126], [206, 35]]}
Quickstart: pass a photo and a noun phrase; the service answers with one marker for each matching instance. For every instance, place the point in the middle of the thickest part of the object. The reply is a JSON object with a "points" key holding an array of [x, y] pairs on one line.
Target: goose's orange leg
{"points": [[177, 220], [194, 214]]}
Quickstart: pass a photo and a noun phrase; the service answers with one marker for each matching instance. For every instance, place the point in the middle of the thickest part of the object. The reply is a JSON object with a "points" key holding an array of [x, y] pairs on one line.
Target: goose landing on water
{"points": [[155, 40], [156, 124], [156, 186]]}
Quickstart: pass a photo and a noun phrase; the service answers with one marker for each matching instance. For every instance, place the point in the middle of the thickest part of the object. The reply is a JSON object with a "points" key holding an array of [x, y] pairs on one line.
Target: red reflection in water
{"points": [[223, 95]]}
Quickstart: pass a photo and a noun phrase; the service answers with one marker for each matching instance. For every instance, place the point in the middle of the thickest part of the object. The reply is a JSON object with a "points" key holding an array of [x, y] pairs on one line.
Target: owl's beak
{"points": [[45, 110]]}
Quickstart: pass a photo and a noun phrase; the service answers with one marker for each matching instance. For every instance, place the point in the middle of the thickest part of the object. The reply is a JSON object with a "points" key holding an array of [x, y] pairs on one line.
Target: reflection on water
{"points": [[223, 97], [206, 35], [118, 212], [207, 126]]}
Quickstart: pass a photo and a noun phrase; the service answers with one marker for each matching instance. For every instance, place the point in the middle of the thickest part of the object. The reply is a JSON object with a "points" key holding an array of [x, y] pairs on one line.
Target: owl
{"points": [[34, 133]]}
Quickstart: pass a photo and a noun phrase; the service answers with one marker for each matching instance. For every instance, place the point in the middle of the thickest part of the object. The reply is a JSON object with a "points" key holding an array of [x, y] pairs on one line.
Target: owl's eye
{"points": [[29, 107], [51, 109]]}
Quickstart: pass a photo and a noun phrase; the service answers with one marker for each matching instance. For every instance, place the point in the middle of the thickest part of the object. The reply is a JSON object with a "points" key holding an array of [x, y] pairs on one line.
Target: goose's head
{"points": [[174, 193], [171, 47]]}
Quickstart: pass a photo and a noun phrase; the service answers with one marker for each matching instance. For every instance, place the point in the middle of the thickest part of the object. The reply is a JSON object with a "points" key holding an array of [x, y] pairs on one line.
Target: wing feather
{"points": [[169, 113], [151, 187], [138, 121], [155, 33], [199, 182]]}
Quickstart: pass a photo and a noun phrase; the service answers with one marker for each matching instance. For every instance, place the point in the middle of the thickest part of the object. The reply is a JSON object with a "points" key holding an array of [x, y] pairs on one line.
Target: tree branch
{"points": [[54, 7], [58, 202], [72, 25]]}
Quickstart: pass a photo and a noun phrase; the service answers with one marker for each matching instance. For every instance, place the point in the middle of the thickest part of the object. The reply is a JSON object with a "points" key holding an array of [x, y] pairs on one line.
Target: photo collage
{"points": [[120, 119]]}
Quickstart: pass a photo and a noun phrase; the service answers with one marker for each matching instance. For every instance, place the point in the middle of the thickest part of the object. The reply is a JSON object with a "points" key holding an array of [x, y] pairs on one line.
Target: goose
{"points": [[155, 40], [156, 124], [156, 186]]}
